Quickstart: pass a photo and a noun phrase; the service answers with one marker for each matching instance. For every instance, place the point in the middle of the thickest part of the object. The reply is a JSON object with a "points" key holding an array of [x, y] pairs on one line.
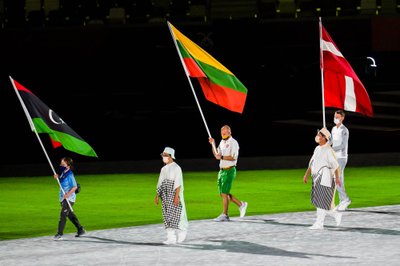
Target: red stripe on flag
{"points": [[230, 99], [20, 87], [54, 143], [193, 68]]}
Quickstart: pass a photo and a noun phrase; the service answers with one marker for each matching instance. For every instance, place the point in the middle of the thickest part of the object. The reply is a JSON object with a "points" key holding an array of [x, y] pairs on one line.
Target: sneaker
{"points": [[169, 242], [181, 236], [242, 209], [57, 237], [222, 218], [338, 218], [316, 226], [81, 232], [343, 205]]}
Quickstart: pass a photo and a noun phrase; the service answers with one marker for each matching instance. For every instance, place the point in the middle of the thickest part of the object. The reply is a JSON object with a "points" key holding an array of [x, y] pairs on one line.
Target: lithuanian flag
{"points": [[219, 85], [44, 120]]}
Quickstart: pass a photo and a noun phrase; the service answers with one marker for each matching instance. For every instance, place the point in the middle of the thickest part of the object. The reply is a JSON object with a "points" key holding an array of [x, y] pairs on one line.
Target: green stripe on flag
{"points": [[221, 78], [69, 142]]}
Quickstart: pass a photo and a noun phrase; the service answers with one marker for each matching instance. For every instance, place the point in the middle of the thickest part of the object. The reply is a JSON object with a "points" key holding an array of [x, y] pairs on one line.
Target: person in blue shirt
{"points": [[67, 192]]}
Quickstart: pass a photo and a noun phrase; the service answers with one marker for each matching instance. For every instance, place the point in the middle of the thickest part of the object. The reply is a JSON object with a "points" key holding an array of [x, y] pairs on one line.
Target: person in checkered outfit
{"points": [[170, 191], [325, 172]]}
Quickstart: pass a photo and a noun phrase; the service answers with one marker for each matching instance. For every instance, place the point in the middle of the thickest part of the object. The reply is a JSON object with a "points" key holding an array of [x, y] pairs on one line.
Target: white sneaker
{"points": [[243, 209], [338, 218], [57, 237], [181, 236], [316, 226], [222, 218], [169, 241], [171, 237], [343, 205]]}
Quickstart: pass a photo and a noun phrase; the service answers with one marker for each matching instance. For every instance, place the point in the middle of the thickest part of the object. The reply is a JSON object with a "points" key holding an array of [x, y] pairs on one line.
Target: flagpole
{"points": [[191, 85], [37, 135], [322, 72]]}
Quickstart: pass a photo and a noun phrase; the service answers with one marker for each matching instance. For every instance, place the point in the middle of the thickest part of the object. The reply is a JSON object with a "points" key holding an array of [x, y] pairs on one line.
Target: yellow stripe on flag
{"points": [[197, 52]]}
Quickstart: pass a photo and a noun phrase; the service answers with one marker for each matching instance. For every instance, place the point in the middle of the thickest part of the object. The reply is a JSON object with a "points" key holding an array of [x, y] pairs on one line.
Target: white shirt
{"points": [[173, 172], [324, 156], [229, 147], [340, 139]]}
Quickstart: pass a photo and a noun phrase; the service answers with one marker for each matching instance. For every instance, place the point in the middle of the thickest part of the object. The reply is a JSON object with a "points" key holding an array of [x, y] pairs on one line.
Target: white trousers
{"points": [[175, 235], [342, 192], [321, 214]]}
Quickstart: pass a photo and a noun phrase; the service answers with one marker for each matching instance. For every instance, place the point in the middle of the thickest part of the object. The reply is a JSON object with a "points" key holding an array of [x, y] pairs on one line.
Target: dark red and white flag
{"points": [[342, 88]]}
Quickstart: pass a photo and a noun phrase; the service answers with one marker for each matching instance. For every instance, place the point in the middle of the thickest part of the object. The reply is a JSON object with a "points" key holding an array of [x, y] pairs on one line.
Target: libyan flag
{"points": [[219, 85], [44, 120]]}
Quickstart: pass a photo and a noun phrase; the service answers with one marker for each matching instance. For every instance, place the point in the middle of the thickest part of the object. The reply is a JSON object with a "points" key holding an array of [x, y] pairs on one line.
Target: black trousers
{"points": [[66, 212]]}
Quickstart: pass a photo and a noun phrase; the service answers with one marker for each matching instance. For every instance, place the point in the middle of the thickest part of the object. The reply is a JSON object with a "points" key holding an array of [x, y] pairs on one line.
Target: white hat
{"points": [[325, 132], [170, 151]]}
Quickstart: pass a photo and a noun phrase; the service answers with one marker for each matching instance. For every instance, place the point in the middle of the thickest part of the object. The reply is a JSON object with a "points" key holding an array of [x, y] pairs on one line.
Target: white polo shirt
{"points": [[229, 147], [340, 139]]}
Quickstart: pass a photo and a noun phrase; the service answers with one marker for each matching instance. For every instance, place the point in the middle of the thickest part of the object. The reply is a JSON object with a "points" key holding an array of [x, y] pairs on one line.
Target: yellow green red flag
{"points": [[219, 85]]}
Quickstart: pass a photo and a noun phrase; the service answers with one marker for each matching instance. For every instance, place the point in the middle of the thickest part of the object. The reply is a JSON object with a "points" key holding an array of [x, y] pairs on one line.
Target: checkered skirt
{"points": [[321, 196], [171, 213]]}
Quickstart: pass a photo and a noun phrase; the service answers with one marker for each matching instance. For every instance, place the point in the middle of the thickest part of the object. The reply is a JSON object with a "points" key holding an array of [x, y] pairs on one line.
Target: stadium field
{"points": [[29, 205]]}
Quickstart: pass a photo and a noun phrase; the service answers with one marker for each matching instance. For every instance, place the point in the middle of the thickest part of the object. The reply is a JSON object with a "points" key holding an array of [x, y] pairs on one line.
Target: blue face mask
{"points": [[62, 168]]}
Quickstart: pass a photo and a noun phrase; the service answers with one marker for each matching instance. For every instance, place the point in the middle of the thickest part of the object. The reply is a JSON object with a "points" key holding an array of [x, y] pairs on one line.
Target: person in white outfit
{"points": [[340, 139], [170, 191], [324, 170]]}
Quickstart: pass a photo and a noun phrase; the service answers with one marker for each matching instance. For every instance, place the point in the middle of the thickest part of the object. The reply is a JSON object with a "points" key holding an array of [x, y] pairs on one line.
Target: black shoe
{"points": [[81, 232], [57, 237]]}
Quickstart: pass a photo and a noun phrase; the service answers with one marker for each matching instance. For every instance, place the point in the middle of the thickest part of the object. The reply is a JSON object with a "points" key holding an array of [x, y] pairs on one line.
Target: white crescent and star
{"points": [[53, 120]]}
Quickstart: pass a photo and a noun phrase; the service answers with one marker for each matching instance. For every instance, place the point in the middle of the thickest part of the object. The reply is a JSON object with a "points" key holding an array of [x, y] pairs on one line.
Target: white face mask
{"points": [[165, 159], [336, 121], [317, 139]]}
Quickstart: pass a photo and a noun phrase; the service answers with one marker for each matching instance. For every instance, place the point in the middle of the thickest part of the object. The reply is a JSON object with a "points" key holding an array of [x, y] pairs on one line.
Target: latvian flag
{"points": [[342, 88]]}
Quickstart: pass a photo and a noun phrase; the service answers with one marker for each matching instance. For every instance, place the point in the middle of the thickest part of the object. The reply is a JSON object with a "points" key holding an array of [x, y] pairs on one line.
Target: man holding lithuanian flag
{"points": [[221, 87]]}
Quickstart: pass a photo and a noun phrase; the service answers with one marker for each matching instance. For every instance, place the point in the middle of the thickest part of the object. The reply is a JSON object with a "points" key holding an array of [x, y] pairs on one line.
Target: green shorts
{"points": [[225, 180]]}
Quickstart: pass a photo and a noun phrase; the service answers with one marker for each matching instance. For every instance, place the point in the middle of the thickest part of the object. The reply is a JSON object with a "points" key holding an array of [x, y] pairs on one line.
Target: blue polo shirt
{"points": [[67, 181]]}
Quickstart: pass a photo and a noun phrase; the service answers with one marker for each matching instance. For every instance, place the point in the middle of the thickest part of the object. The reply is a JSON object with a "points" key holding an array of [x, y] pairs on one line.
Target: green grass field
{"points": [[29, 205]]}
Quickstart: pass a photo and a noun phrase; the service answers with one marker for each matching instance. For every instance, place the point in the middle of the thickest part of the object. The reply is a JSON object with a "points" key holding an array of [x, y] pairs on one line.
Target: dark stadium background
{"points": [[121, 86]]}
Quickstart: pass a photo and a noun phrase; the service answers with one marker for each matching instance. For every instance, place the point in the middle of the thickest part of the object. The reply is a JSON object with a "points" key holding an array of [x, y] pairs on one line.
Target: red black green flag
{"points": [[42, 119]]}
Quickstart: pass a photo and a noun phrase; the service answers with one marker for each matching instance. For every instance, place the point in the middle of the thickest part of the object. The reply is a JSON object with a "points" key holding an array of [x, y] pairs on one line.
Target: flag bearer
{"points": [[69, 186], [227, 153], [340, 139]]}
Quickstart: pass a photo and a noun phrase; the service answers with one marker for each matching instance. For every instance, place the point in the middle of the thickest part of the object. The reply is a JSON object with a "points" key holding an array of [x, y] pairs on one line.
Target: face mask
{"points": [[317, 139], [336, 121], [62, 168], [165, 159], [224, 137]]}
